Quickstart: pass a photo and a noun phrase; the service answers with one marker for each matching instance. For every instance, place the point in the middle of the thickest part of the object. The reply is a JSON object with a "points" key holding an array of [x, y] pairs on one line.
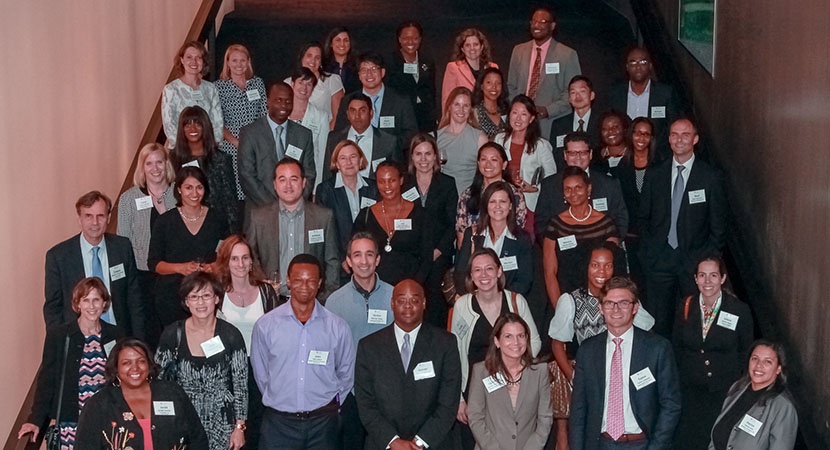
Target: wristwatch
{"points": [[241, 426]]}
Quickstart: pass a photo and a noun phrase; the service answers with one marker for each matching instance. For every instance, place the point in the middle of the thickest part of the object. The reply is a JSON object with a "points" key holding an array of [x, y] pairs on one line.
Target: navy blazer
{"points": [[394, 105], [564, 126], [660, 95], [519, 280], [384, 146], [655, 406], [337, 201], [421, 93], [65, 268]]}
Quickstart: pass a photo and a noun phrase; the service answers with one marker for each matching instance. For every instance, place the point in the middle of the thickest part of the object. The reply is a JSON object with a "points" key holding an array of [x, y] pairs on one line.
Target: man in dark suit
{"points": [[606, 194], [393, 112], [377, 145], [580, 95], [642, 96], [626, 391], [260, 150], [408, 379], [413, 73], [94, 253], [679, 223], [281, 230]]}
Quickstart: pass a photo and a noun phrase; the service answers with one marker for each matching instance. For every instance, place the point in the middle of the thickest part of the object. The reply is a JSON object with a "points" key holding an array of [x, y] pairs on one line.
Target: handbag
{"points": [[448, 287], [53, 432], [170, 371], [561, 391]]}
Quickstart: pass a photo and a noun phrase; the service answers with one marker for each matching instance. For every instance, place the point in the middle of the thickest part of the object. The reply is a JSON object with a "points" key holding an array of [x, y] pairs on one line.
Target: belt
{"points": [[331, 408], [626, 437]]}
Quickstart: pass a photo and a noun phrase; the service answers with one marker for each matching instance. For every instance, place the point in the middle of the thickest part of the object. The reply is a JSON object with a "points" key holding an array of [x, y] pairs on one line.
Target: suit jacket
{"points": [[494, 423], [626, 174], [552, 92], [701, 227], [552, 200], [257, 158], [394, 105], [423, 89], [779, 421], [519, 280], [391, 402], [262, 230], [337, 201], [65, 267], [441, 205], [457, 74], [656, 406], [384, 146], [659, 95], [564, 125]]}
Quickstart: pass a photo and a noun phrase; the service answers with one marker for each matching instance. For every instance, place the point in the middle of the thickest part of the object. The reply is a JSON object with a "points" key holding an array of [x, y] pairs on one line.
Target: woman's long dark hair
{"points": [[473, 203], [778, 386], [484, 215], [629, 156], [304, 49], [493, 361], [533, 132], [478, 92], [181, 152], [328, 53]]}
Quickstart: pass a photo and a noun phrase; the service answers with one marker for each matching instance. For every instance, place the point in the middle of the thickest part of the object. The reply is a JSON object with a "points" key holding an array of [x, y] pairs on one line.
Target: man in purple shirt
{"points": [[303, 360]]}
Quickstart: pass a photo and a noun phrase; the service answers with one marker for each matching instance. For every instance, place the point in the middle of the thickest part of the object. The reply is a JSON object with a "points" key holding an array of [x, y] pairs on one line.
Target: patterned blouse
{"points": [[490, 129], [91, 378]]}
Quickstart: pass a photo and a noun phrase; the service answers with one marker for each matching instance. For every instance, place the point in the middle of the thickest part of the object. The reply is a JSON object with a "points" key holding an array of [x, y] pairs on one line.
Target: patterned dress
{"points": [[239, 108], [90, 380]]}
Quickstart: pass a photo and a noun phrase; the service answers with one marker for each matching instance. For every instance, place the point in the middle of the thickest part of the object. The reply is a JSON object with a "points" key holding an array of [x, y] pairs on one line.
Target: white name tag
{"points": [[494, 382], [194, 163], [108, 347], [294, 152], [164, 409], [411, 194], [366, 202], [642, 378], [698, 196], [560, 141], [566, 242], [318, 358], [410, 68], [212, 346], [377, 316], [117, 272], [316, 236], [142, 203], [551, 68], [658, 112], [387, 121], [601, 204], [376, 162], [197, 96], [509, 263], [727, 320], [750, 425], [403, 224], [614, 161], [423, 371], [252, 94], [460, 327]]}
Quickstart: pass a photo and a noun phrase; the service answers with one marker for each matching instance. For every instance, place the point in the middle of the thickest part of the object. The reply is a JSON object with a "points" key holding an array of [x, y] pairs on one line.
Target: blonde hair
{"points": [[472, 119], [139, 179], [226, 71], [340, 146]]}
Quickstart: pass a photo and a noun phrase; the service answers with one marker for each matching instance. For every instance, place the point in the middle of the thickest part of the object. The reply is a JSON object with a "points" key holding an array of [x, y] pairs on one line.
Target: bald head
{"points": [[408, 304]]}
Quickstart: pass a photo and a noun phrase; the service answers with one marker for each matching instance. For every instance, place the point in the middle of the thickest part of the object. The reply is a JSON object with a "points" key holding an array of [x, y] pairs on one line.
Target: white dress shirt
{"points": [[631, 426]]}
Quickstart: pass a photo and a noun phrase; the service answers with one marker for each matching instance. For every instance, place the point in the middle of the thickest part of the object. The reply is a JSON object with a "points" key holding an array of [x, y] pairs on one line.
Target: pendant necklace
{"points": [[388, 247]]}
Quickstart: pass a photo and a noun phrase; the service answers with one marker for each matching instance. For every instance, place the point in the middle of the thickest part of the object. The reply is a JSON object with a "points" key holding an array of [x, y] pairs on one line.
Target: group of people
{"points": [[333, 261]]}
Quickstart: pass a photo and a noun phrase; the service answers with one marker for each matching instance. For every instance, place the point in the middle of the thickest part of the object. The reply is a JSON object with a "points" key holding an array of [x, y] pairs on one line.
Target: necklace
{"points": [[201, 214], [157, 198], [240, 296], [590, 210], [388, 247]]}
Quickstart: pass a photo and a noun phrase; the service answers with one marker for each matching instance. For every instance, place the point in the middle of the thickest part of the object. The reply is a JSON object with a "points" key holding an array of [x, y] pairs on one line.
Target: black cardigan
{"points": [[48, 381]]}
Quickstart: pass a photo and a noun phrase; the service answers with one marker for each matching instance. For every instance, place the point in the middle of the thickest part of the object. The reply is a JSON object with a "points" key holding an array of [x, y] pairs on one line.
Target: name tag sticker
{"points": [[411, 194], [403, 224], [410, 68], [658, 112], [117, 272], [366, 202], [318, 358], [197, 96], [194, 163], [494, 382], [376, 162], [108, 347], [642, 378], [142, 203], [698, 196], [164, 409], [253, 95], [560, 141], [316, 236], [601, 204], [750, 425], [566, 242], [551, 68], [423, 371], [509, 263], [387, 121], [218, 245], [460, 327], [728, 320], [377, 316], [294, 152], [614, 161], [212, 346]]}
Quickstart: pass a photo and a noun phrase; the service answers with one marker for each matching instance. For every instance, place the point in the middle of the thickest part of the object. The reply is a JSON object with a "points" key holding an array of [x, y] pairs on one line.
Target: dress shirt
{"points": [[352, 303], [292, 231], [544, 48], [638, 104], [86, 253], [585, 120], [686, 172], [273, 125], [631, 425], [497, 245], [377, 105], [353, 196], [366, 143], [280, 346]]}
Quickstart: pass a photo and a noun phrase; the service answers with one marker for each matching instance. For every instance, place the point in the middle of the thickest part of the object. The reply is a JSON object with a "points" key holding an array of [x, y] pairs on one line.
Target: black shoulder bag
{"points": [[53, 432]]}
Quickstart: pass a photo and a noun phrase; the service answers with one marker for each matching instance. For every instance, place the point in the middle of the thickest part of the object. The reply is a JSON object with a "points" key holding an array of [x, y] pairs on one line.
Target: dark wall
{"points": [[764, 118]]}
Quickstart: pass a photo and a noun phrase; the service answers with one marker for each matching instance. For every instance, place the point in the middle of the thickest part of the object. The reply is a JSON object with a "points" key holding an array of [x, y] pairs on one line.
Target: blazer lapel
{"points": [[420, 351]]}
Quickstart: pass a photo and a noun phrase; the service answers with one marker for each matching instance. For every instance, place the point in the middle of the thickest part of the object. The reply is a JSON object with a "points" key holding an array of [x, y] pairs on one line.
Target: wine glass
{"points": [[442, 155], [274, 280]]}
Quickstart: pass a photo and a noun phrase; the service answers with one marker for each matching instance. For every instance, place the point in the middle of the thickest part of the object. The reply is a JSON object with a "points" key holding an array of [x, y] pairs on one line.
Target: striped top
{"points": [[573, 262]]}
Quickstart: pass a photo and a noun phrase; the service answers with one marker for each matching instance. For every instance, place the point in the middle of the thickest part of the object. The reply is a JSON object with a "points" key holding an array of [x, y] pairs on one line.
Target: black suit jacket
{"points": [[257, 158], [701, 227], [564, 125], [660, 95], [384, 145], [337, 201], [627, 176], [391, 402], [441, 207], [519, 280], [423, 89], [65, 267], [552, 200], [655, 406], [394, 105]]}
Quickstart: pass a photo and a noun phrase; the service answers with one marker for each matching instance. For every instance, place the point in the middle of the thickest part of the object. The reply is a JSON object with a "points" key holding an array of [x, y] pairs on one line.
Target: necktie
{"points": [[406, 352], [98, 272], [535, 75], [581, 127], [357, 138], [376, 115], [280, 147], [615, 422], [676, 199]]}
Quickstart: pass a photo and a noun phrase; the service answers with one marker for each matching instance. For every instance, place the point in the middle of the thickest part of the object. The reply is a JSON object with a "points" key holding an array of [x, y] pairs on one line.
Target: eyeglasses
{"points": [[641, 62], [579, 153], [365, 70], [622, 304], [204, 298], [408, 301]]}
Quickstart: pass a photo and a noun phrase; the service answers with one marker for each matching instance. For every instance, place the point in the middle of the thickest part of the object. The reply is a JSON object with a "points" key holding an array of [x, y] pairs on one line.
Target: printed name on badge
{"points": [[366, 202], [316, 236], [117, 272], [750, 425], [551, 68], [164, 408], [318, 358], [727, 320], [642, 378], [494, 382], [566, 242], [387, 121], [509, 263], [212, 346], [698, 196], [658, 112], [294, 152], [411, 194], [377, 316], [410, 68], [253, 95], [142, 203], [403, 224], [601, 204], [560, 141], [423, 371]]}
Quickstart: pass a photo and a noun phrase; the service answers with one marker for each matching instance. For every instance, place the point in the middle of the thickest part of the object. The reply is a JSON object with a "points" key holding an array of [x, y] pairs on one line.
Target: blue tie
{"points": [[676, 200], [406, 352], [98, 271], [376, 115]]}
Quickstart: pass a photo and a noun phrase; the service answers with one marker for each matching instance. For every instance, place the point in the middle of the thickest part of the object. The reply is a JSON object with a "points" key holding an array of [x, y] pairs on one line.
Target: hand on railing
{"points": [[27, 428]]}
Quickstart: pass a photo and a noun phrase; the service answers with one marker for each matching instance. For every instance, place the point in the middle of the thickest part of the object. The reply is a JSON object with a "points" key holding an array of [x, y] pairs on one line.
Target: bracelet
{"points": [[241, 426]]}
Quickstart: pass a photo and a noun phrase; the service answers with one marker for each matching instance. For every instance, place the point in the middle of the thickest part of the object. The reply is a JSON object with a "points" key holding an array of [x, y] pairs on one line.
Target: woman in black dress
{"points": [[401, 229]]}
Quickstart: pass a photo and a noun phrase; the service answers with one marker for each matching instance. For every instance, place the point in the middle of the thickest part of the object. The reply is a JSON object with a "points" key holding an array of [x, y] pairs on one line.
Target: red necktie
{"points": [[615, 422], [535, 75]]}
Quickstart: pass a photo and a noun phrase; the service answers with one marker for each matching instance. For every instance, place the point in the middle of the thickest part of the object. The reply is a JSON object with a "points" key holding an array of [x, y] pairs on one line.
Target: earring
{"points": [[116, 382]]}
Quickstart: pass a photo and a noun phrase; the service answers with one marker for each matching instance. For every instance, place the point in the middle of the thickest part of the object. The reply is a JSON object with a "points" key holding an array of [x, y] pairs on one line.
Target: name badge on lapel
{"points": [[423, 371], [698, 196], [642, 378]]}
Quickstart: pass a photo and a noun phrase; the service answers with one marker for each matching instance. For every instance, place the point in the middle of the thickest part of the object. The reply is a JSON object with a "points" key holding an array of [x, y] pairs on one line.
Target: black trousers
{"points": [[668, 279], [281, 431]]}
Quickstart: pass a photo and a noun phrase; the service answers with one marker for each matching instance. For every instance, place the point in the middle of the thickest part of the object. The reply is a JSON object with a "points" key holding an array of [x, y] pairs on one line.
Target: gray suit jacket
{"points": [[258, 158], [494, 423], [552, 92], [779, 419], [263, 232]]}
